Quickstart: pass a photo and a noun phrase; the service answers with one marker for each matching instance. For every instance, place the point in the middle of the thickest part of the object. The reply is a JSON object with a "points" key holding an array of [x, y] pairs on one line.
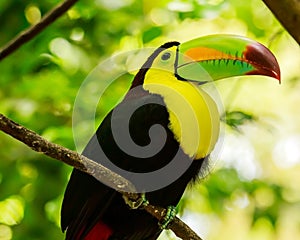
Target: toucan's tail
{"points": [[99, 232]]}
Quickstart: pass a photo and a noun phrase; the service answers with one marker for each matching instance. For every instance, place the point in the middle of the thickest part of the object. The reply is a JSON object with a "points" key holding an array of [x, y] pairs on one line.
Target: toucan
{"points": [[159, 136]]}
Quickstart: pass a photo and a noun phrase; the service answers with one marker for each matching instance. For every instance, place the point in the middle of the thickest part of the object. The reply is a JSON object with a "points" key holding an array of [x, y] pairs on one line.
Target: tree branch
{"points": [[288, 14], [34, 30], [82, 163], [181, 230], [41, 145]]}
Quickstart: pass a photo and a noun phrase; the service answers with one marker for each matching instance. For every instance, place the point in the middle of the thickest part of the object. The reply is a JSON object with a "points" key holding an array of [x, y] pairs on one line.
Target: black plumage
{"points": [[88, 201]]}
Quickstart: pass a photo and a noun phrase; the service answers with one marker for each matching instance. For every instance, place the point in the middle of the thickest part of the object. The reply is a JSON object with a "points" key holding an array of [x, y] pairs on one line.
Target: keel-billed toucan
{"points": [[172, 115]]}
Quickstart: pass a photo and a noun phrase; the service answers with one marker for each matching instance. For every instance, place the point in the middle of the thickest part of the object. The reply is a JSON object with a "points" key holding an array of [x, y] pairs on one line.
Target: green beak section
{"points": [[220, 56]]}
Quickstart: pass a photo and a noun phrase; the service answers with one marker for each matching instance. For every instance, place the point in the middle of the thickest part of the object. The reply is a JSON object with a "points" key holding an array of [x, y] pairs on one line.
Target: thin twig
{"points": [[41, 145], [34, 30]]}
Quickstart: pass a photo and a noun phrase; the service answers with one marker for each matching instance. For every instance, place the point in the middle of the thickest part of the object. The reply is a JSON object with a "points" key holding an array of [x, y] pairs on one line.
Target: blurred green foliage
{"points": [[39, 83]]}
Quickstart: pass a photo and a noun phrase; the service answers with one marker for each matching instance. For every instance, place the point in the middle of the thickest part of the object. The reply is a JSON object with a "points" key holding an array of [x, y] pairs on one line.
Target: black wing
{"points": [[87, 200]]}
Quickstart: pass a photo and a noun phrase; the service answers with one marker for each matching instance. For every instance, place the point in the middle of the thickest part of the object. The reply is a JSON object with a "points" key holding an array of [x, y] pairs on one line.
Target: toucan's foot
{"points": [[137, 203], [169, 217]]}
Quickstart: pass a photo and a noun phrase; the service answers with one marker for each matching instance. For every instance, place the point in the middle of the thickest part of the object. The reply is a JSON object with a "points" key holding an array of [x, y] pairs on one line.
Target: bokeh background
{"points": [[252, 191]]}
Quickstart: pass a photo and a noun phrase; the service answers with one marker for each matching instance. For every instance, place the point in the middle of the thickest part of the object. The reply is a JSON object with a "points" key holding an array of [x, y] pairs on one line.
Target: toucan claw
{"points": [[140, 202], [168, 218]]}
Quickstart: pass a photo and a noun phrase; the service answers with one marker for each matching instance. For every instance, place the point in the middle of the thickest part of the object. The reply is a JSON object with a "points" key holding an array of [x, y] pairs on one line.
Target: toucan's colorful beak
{"points": [[220, 56]]}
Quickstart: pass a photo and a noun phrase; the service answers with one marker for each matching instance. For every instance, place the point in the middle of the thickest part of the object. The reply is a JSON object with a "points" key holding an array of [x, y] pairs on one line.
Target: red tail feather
{"points": [[99, 232]]}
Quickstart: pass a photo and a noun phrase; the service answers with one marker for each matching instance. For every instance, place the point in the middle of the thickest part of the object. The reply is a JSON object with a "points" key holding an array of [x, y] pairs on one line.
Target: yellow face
{"points": [[193, 114]]}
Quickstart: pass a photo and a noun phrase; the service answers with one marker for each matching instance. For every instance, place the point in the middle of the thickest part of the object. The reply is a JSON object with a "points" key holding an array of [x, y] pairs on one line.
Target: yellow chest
{"points": [[193, 114]]}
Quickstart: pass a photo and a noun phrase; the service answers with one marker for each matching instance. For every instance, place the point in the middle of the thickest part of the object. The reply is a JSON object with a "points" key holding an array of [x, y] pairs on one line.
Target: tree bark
{"points": [[288, 14]]}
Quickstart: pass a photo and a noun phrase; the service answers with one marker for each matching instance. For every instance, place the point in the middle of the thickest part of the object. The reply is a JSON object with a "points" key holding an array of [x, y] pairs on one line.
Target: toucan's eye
{"points": [[165, 56]]}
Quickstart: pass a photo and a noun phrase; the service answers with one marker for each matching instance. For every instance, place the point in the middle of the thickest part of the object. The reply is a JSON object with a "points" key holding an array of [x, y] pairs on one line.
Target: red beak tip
{"points": [[278, 78], [264, 59]]}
